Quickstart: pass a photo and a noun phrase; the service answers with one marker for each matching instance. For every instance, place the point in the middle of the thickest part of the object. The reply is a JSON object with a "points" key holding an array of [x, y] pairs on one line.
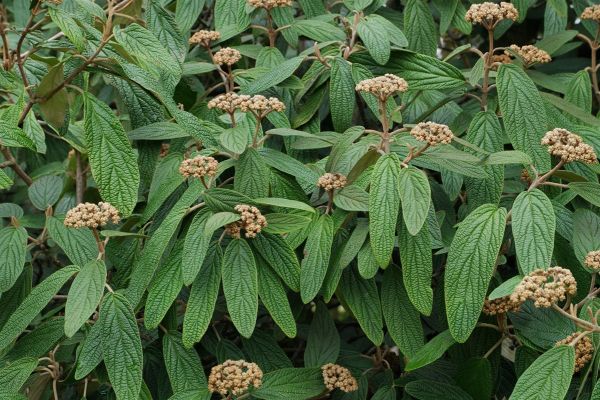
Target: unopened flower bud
{"points": [[331, 181], [227, 56], [432, 133], [234, 377], [568, 146], [337, 377], [91, 215]]}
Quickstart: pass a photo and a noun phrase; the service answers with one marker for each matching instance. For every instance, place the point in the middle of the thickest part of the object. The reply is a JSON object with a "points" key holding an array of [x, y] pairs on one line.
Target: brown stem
{"points": [[385, 134], [272, 32], [79, 178], [256, 130], [329, 201], [99, 243], [10, 159], [353, 34], [487, 66]]}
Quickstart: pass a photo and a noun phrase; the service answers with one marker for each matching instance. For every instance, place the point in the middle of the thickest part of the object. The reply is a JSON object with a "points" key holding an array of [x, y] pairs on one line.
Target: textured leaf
{"points": [[45, 191], [68, 26], [164, 26], [318, 30], [579, 91], [417, 266], [90, 351], [352, 198], [291, 384], [183, 365], [78, 244], [375, 38], [401, 317], [316, 258], [14, 375], [251, 174], [240, 285], [586, 233], [420, 27], [589, 191], [384, 205], [5, 181], [471, 262], [323, 342], [341, 94], [31, 306], [187, 12], [415, 196], [523, 111], [13, 247], [274, 298], [430, 390], [280, 256], [197, 242], [84, 295], [113, 162], [533, 225], [274, 76], [12, 136], [363, 299], [203, 297], [431, 352], [548, 377], [285, 203]]}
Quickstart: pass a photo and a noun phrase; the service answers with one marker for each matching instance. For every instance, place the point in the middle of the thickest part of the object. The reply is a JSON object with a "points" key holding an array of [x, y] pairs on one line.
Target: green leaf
{"points": [[417, 266], [251, 174], [318, 30], [533, 226], [274, 76], [68, 26], [589, 191], [280, 256], [14, 375], [272, 293], [352, 198], [121, 346], [203, 297], [183, 365], [471, 262], [33, 304], [586, 233], [240, 285], [84, 295], [12, 136], [187, 12], [5, 181], [90, 352], [394, 34], [54, 109], [195, 247], [415, 195], [362, 297], [548, 377], [323, 342], [263, 349], [316, 257], [231, 16], [78, 244], [164, 288], [145, 266], [375, 38], [164, 26], [401, 317], [13, 247], [286, 203], [289, 165], [524, 115], [158, 131], [280, 223], [579, 91], [431, 352], [505, 288], [384, 206], [113, 162], [291, 384], [420, 27], [341, 94], [45, 191]]}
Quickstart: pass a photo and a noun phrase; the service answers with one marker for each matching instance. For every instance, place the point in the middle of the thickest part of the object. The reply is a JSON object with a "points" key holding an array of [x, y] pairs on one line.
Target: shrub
{"points": [[299, 200]]}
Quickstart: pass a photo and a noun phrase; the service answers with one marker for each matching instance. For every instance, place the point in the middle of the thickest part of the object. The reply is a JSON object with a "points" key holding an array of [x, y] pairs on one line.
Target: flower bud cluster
{"points": [[269, 4], [91, 215], [331, 181], [592, 260], [545, 287], [501, 305], [591, 12], [251, 221], [529, 54], [204, 37], [432, 133], [227, 56], [490, 14], [337, 377], [55, 2], [234, 377], [584, 349], [568, 146], [198, 167], [258, 104], [383, 86]]}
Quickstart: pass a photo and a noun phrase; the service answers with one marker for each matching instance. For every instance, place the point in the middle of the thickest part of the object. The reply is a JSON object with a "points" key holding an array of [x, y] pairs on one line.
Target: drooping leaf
{"points": [[341, 94], [13, 247], [323, 343], [317, 252], [183, 365], [291, 384], [415, 196], [84, 295]]}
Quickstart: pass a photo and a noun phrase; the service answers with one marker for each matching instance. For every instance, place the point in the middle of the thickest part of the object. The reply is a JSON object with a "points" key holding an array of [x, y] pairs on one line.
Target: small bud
{"points": [[529, 54], [234, 377], [592, 260], [591, 13], [227, 56], [383, 86], [490, 14], [545, 287], [198, 167], [432, 133], [204, 37], [251, 221], [584, 349], [331, 181], [91, 215], [269, 4], [500, 306], [568, 146], [337, 377]]}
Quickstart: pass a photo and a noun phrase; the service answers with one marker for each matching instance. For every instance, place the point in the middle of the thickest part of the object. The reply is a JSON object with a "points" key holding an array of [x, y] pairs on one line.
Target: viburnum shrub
{"points": [[292, 200]]}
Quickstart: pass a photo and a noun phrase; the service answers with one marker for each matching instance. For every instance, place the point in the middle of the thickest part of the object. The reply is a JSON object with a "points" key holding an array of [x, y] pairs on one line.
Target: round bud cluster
{"points": [[432, 133], [529, 54], [490, 14], [227, 56], [269, 4], [234, 377], [383, 86], [568, 146], [198, 167], [584, 349], [591, 12], [55, 2], [258, 104], [91, 215], [337, 377], [251, 221], [204, 37], [501, 305], [545, 287], [331, 181], [592, 260]]}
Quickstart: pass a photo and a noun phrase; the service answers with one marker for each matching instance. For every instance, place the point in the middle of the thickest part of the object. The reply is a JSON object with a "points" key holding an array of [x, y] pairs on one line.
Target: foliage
{"points": [[299, 200]]}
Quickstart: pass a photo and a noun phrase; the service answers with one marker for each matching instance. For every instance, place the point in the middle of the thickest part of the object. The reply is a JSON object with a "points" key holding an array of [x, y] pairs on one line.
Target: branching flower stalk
{"points": [[592, 13]]}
